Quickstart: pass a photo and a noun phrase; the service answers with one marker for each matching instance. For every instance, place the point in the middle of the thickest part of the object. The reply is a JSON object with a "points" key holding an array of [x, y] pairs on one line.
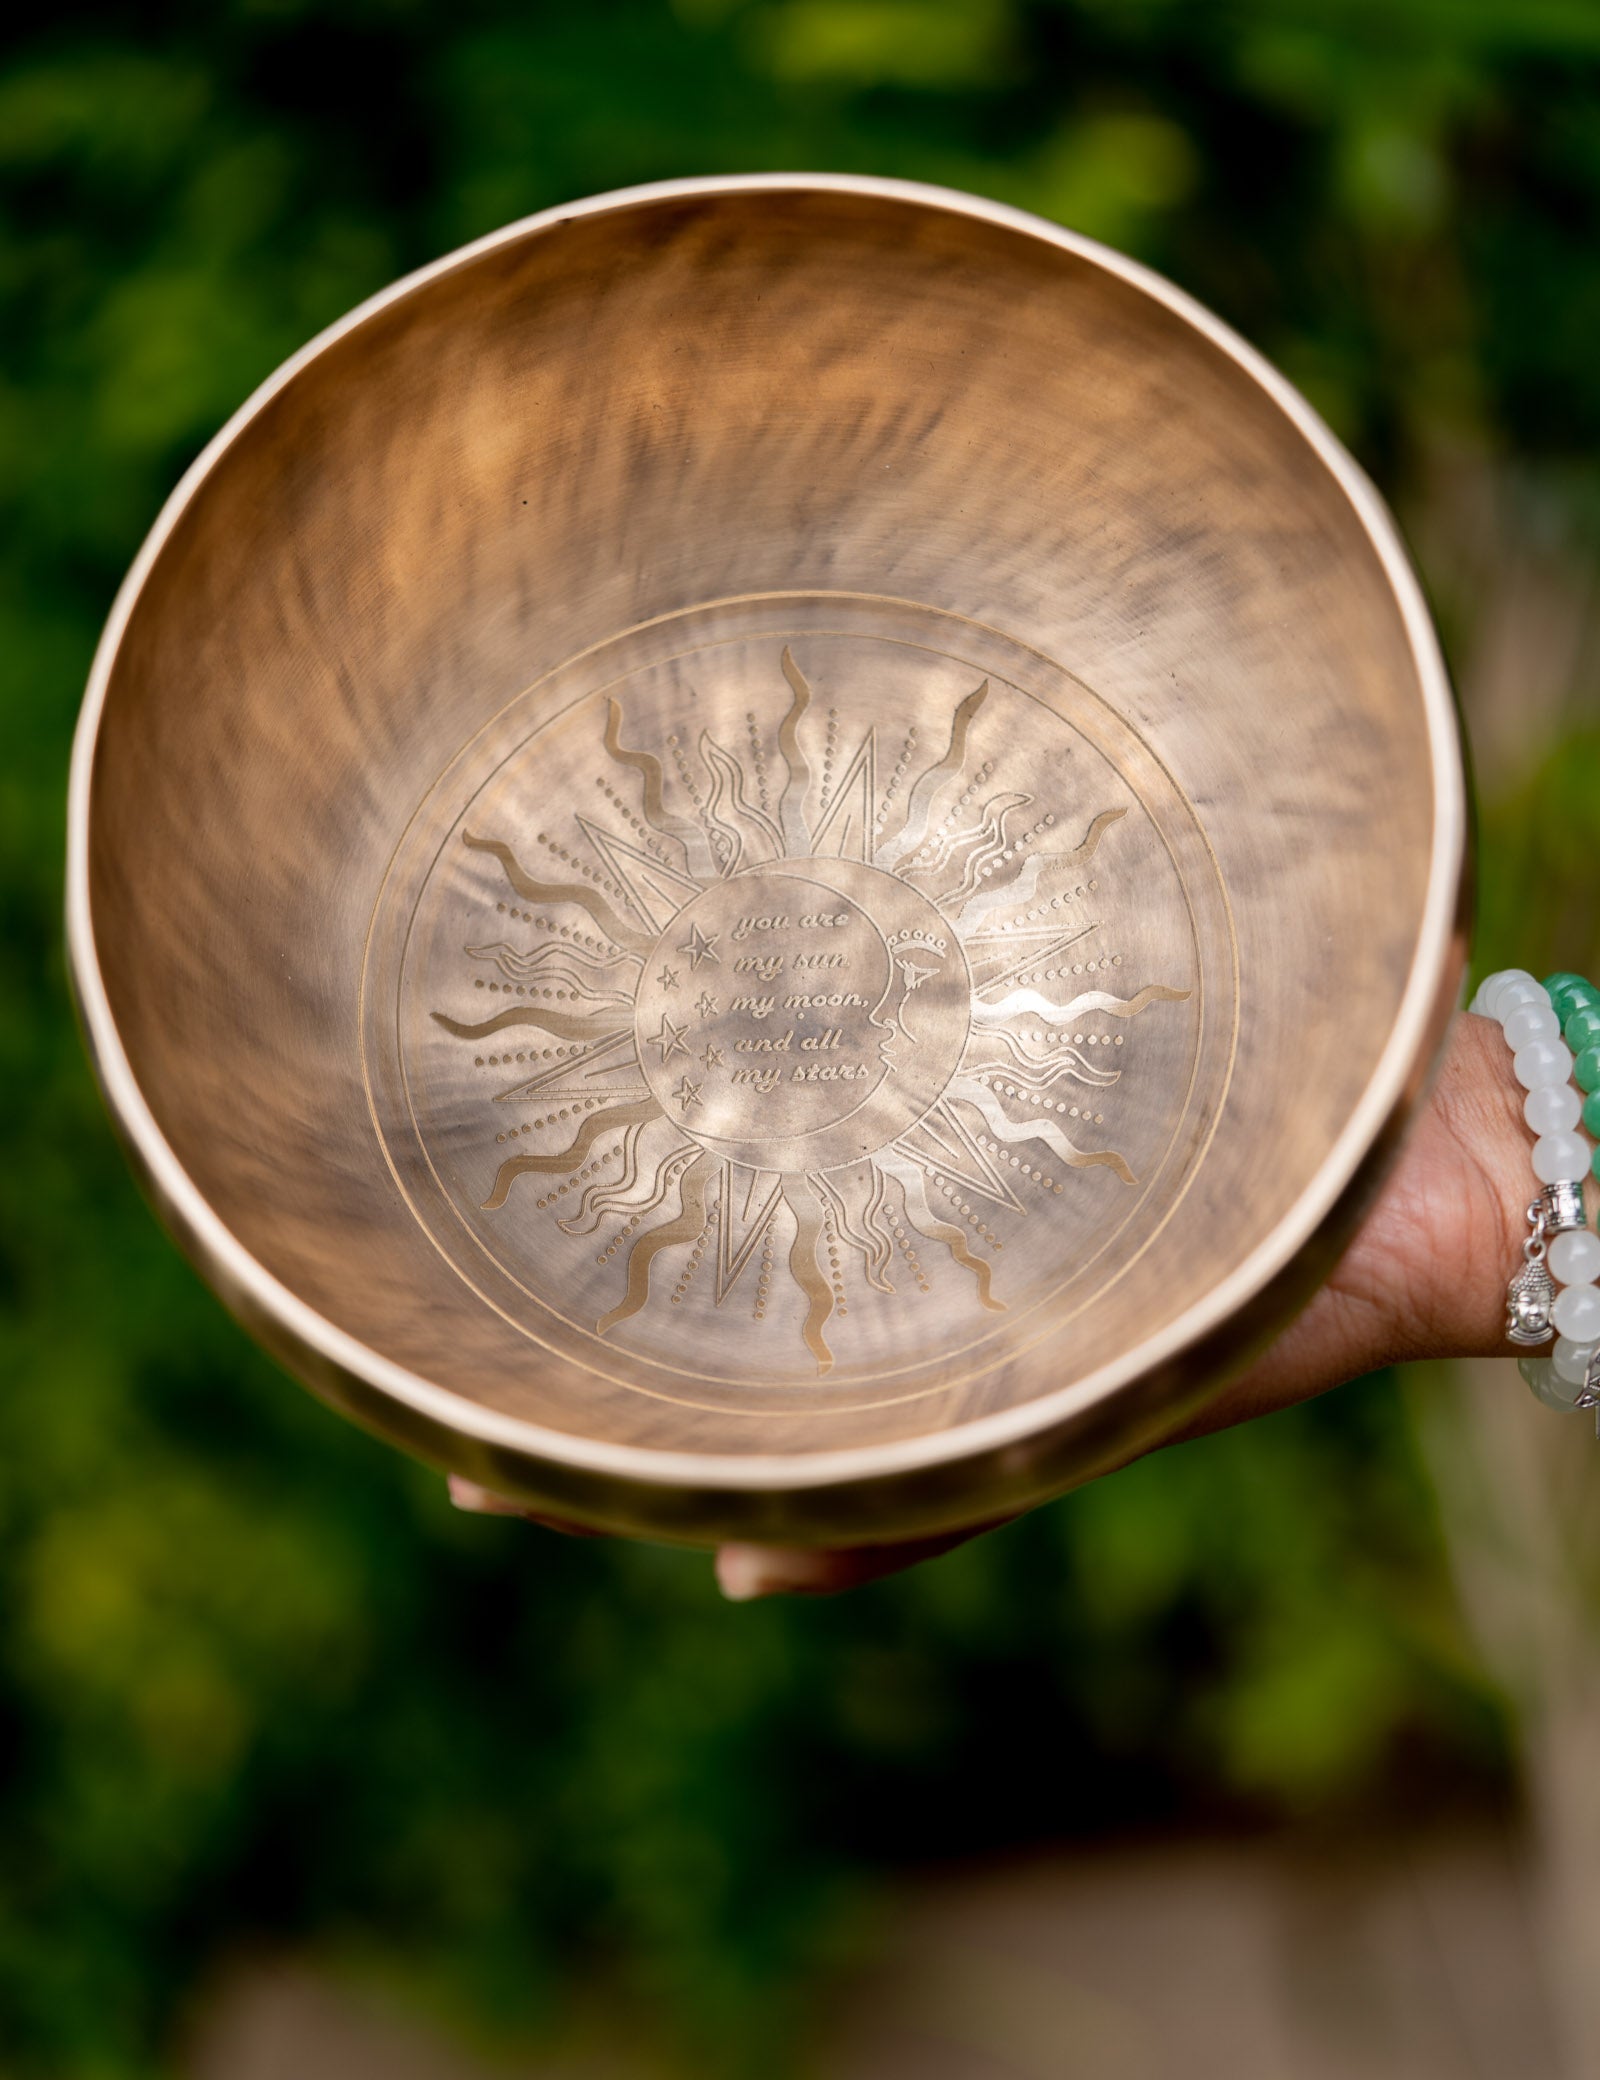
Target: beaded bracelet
{"points": [[1553, 1029]]}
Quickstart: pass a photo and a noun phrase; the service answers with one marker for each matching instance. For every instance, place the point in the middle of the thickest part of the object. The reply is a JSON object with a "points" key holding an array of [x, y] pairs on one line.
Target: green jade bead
{"points": [[1586, 1070], [1582, 1029], [1591, 1115], [1563, 980], [1567, 1003]]}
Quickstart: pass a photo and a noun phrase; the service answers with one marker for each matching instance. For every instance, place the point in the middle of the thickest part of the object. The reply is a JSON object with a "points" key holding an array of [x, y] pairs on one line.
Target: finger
{"points": [[484, 1502], [479, 1502], [746, 1573]]}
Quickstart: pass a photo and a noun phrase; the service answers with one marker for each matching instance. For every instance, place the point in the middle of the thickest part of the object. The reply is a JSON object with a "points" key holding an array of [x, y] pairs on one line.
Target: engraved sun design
{"points": [[826, 1011]]}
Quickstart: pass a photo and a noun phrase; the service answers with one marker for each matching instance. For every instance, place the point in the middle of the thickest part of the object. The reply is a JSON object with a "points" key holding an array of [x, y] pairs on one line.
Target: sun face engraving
{"points": [[906, 1015]]}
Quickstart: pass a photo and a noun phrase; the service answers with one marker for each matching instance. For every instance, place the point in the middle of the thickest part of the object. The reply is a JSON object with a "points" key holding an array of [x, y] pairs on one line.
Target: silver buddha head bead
{"points": [[1529, 1299]]}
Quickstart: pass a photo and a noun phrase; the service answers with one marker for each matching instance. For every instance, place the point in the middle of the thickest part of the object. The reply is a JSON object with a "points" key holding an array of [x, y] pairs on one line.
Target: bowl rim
{"points": [[1251, 1296]]}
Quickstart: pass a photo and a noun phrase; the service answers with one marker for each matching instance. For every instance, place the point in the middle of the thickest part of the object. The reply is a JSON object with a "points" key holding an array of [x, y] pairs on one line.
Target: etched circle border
{"points": [[775, 616]]}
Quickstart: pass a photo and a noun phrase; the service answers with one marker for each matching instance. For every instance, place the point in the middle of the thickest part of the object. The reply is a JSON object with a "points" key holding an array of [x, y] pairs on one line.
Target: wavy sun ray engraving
{"points": [[807, 1002]]}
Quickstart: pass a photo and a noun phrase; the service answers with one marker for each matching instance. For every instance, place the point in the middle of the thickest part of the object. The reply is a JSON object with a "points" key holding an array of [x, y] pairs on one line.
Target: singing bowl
{"points": [[769, 858]]}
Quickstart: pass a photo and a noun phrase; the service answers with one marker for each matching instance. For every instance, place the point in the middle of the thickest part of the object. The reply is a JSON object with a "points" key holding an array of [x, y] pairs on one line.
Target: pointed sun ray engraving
{"points": [[739, 1233], [882, 1056], [655, 890], [845, 830], [578, 1074]]}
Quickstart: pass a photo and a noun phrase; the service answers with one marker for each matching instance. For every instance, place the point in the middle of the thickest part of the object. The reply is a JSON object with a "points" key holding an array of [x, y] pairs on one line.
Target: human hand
{"points": [[1425, 1277]]}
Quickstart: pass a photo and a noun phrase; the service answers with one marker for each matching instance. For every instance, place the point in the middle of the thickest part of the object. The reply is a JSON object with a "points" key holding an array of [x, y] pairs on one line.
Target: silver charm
{"points": [[1563, 1207], [1590, 1397], [1532, 1292]]}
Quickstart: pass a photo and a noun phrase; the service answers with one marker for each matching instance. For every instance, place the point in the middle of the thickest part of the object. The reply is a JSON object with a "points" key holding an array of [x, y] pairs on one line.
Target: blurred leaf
{"points": [[912, 43], [257, 1682]]}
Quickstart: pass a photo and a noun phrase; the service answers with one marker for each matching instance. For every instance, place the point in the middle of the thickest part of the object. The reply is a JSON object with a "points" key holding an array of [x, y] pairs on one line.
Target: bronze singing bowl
{"points": [[769, 858]]}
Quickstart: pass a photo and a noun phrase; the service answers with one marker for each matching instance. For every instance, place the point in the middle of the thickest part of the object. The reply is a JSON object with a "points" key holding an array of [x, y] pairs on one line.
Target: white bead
{"points": [[1560, 1158], [1548, 1386], [1575, 1257], [1554, 1108], [1510, 996], [1577, 1313], [1542, 1062], [1501, 977], [1571, 1360], [1531, 1022], [1481, 1001]]}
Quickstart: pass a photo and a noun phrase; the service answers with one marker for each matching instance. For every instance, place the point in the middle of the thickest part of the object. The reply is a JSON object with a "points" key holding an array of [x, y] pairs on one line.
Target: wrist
{"points": [[1480, 1105], [1426, 1275]]}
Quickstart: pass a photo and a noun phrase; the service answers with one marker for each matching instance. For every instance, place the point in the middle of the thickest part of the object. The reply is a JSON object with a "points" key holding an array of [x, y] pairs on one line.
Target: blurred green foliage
{"points": [[258, 1684]]}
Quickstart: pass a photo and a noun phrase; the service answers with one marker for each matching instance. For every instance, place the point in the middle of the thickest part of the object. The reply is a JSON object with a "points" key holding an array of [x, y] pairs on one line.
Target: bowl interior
{"points": [[764, 821]]}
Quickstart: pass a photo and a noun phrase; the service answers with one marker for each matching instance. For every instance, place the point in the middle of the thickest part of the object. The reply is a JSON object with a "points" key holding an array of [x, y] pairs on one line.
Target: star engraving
{"points": [[669, 1039], [687, 1094], [713, 1057], [668, 978], [708, 1007], [701, 947]]}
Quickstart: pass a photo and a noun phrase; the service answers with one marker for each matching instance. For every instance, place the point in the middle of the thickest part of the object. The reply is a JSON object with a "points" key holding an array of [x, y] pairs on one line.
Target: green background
{"points": [[258, 1683]]}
